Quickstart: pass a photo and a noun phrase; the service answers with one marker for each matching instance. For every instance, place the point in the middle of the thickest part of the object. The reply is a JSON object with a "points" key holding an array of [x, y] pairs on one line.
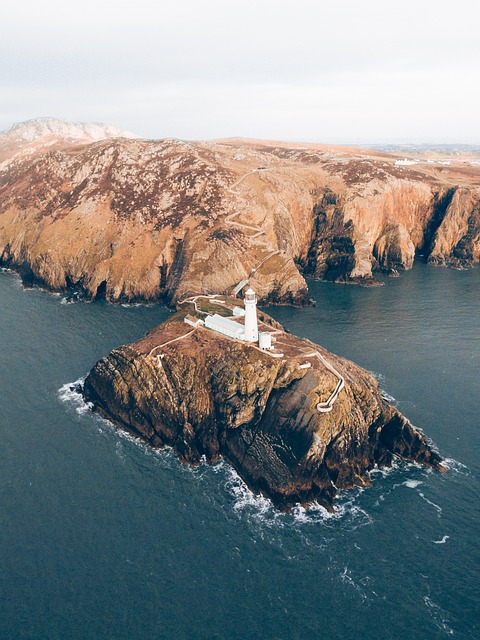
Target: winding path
{"points": [[258, 231], [159, 346]]}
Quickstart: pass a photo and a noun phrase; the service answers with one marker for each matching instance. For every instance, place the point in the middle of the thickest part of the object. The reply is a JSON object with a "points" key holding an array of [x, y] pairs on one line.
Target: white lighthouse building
{"points": [[251, 323], [248, 332]]}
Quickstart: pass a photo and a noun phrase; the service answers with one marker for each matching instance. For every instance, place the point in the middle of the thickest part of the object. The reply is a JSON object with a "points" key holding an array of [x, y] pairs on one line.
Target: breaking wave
{"points": [[438, 615], [260, 510], [350, 511], [71, 393], [456, 467]]}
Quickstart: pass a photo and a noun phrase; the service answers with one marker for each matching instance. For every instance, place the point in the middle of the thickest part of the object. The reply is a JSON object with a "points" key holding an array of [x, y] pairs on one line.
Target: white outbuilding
{"points": [[225, 326], [238, 312], [193, 322], [264, 340]]}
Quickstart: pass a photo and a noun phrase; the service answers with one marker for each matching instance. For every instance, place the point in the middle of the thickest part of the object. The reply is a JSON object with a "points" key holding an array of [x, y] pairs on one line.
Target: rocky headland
{"points": [[297, 423], [124, 219]]}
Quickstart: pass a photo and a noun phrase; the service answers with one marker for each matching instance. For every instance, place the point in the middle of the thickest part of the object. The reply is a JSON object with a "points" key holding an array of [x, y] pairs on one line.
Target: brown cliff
{"points": [[207, 395], [128, 219]]}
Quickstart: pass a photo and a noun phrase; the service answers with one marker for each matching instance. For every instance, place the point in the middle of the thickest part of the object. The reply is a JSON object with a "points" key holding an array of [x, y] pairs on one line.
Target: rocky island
{"points": [[296, 422], [97, 211]]}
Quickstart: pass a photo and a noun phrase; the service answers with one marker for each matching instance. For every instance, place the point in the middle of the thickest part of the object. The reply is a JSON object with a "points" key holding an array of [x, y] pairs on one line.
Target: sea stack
{"points": [[296, 422]]}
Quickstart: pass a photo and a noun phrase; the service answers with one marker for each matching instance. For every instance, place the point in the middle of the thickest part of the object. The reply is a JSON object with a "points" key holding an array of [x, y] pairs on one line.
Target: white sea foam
{"points": [[348, 511], [166, 455], [412, 484], [351, 515], [70, 393], [435, 506], [244, 498], [386, 396], [136, 305], [381, 382], [438, 616], [316, 513], [255, 507], [387, 471], [16, 281], [379, 376], [442, 541], [347, 578], [261, 511], [456, 466], [120, 451]]}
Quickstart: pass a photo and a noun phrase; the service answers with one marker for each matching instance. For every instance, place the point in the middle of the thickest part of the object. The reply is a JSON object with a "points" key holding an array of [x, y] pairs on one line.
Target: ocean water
{"points": [[102, 538]]}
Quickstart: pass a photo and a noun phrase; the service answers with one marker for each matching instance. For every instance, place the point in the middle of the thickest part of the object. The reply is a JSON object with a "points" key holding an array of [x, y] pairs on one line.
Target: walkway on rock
{"points": [[325, 407], [249, 173], [258, 230]]}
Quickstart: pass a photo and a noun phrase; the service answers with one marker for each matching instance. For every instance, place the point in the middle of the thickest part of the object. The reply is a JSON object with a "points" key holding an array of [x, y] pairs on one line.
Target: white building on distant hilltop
{"points": [[405, 162]]}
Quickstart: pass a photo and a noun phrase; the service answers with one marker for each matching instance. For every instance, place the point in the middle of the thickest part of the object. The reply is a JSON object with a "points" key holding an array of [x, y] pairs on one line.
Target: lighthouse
{"points": [[251, 324]]}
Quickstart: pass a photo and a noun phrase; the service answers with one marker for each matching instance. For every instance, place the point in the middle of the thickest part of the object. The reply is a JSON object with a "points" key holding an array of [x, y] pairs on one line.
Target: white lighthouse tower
{"points": [[251, 324]]}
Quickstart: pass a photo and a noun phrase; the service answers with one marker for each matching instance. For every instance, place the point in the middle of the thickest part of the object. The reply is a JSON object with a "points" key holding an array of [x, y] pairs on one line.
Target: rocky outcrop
{"points": [[128, 219], [208, 396], [456, 239]]}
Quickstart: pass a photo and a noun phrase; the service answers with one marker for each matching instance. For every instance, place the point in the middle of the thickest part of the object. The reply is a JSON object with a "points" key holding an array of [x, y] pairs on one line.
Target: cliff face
{"points": [[207, 395], [382, 216], [456, 240], [131, 219]]}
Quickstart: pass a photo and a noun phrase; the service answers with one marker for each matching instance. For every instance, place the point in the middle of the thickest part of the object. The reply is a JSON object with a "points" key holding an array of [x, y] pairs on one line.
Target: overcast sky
{"points": [[306, 70]]}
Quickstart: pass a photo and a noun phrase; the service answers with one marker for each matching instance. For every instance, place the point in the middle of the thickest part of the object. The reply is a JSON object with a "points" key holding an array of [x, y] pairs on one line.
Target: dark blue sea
{"points": [[102, 538]]}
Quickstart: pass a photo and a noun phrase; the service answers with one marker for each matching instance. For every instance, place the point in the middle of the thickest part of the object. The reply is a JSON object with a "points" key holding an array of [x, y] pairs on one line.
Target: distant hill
{"points": [[32, 130], [25, 138]]}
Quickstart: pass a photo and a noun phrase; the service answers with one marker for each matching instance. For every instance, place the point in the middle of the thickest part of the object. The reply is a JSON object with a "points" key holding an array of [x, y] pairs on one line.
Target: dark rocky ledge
{"points": [[207, 395]]}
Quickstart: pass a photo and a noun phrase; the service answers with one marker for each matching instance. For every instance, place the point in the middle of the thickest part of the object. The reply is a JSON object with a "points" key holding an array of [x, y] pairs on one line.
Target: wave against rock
{"points": [[127, 219], [284, 422]]}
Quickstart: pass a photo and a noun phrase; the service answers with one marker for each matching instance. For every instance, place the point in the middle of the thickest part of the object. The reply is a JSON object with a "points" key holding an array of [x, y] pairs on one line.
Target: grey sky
{"points": [[343, 71]]}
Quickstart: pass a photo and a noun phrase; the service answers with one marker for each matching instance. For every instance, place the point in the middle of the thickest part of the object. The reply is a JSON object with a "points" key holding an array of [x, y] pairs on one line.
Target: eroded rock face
{"points": [[456, 240], [206, 395], [129, 219]]}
